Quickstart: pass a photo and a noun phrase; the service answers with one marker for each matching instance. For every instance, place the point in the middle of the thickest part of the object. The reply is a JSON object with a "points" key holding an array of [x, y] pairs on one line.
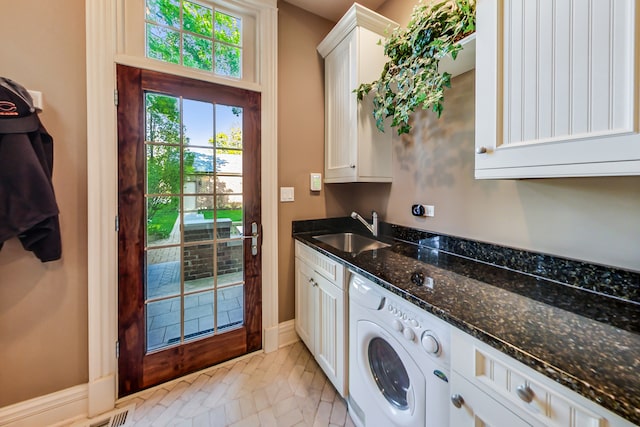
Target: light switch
{"points": [[315, 182], [286, 194]]}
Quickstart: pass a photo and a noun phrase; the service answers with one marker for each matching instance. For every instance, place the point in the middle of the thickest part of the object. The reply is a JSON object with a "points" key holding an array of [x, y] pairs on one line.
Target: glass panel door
{"points": [[194, 219]]}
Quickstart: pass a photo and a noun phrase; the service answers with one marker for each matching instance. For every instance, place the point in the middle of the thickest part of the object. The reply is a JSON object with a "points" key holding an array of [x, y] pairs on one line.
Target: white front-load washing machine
{"points": [[398, 360]]}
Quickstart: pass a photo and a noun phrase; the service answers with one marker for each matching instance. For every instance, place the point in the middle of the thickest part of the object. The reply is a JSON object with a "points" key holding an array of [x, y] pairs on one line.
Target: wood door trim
{"points": [[130, 247]]}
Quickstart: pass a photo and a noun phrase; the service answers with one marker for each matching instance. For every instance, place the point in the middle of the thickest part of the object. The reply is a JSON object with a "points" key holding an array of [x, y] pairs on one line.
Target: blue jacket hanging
{"points": [[28, 208]]}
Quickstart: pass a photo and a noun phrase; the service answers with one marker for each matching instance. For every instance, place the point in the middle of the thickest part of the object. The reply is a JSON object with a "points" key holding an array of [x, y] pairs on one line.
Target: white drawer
{"points": [[542, 399], [323, 265]]}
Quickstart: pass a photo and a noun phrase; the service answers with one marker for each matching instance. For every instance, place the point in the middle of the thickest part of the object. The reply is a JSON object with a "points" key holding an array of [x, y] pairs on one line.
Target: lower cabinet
{"points": [[321, 315], [472, 407], [489, 388]]}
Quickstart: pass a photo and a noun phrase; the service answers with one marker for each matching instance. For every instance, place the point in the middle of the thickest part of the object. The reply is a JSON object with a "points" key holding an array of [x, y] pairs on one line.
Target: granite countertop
{"points": [[585, 340]]}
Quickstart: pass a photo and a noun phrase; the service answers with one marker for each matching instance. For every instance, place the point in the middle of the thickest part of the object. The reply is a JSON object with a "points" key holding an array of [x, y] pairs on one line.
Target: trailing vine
{"points": [[410, 79]]}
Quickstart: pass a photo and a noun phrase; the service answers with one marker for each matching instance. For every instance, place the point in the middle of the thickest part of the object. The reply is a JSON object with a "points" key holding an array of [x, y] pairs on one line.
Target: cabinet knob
{"points": [[457, 400], [525, 393], [352, 166], [481, 150]]}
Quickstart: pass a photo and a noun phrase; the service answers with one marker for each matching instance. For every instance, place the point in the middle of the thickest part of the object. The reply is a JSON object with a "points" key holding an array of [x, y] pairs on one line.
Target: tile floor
{"points": [[284, 388]]}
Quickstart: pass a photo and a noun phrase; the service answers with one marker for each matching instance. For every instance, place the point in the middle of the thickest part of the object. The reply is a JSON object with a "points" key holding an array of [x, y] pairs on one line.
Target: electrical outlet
{"points": [[423, 210]]}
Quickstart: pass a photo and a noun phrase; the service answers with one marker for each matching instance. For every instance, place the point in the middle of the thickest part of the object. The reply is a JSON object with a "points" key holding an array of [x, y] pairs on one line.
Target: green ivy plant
{"points": [[410, 79]]}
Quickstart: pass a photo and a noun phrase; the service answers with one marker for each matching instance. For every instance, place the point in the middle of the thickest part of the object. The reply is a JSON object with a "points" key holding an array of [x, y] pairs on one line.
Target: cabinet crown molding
{"points": [[356, 16]]}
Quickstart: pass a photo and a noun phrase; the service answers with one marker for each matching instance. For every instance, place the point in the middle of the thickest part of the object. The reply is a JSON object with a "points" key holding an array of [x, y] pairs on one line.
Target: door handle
{"points": [[254, 238]]}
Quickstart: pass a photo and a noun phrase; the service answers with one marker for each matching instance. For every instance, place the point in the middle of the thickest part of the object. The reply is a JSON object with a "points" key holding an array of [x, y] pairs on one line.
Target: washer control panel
{"points": [[413, 325]]}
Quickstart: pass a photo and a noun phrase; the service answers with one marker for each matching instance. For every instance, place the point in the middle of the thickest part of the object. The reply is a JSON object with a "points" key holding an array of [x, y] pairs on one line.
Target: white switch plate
{"points": [[286, 194], [429, 210], [36, 96], [315, 181]]}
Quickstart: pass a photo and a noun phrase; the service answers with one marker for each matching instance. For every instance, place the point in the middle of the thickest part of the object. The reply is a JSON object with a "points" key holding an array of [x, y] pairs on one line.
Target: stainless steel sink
{"points": [[349, 242]]}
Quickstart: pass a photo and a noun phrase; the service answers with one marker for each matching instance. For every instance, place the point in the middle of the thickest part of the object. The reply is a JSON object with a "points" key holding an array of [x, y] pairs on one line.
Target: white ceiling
{"points": [[332, 9]]}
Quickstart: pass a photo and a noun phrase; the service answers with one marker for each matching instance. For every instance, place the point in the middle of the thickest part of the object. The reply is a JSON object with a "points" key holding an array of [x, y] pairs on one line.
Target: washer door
{"points": [[396, 383]]}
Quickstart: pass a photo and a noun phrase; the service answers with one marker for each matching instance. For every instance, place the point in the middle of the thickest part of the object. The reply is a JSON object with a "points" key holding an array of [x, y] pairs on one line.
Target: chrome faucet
{"points": [[373, 228]]}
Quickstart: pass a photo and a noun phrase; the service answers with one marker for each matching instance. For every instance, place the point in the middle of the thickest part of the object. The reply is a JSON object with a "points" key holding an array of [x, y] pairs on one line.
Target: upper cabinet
{"points": [[557, 88], [355, 151]]}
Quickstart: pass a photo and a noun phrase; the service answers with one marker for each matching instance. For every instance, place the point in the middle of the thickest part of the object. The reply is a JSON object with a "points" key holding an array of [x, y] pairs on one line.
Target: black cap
{"points": [[15, 101]]}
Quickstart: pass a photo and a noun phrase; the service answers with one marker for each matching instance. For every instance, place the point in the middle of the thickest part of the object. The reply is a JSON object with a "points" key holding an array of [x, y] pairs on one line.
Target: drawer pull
{"points": [[457, 400], [525, 393]]}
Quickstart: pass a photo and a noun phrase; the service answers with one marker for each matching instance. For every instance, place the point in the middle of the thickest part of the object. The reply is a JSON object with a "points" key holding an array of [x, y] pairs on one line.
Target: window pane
{"points": [[228, 28], [198, 262], [162, 116], [228, 162], [197, 19], [163, 323], [163, 272], [227, 60], [198, 165], [198, 223], [228, 128], [165, 12], [163, 44], [228, 184], [198, 123], [196, 52], [229, 208], [198, 313], [230, 310], [162, 216], [163, 169]]}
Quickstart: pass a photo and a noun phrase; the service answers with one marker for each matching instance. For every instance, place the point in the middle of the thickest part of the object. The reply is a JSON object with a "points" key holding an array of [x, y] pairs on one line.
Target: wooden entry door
{"points": [[189, 260]]}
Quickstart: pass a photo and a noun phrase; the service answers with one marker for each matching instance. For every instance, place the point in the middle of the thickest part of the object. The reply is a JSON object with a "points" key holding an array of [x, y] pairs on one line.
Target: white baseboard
{"points": [[47, 410], [287, 333]]}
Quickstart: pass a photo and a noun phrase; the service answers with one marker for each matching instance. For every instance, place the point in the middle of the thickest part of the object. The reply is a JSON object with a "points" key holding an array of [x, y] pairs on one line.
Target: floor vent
{"points": [[118, 418]]}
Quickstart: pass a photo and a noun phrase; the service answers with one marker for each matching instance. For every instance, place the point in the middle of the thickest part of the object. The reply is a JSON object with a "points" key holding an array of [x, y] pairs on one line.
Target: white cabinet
{"points": [[557, 88], [495, 388], [321, 315], [355, 150]]}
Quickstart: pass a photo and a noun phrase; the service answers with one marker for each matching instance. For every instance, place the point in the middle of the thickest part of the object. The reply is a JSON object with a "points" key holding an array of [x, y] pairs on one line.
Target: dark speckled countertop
{"points": [[576, 323]]}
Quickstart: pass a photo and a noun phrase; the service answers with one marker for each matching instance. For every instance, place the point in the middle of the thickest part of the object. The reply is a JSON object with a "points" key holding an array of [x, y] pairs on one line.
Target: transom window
{"points": [[195, 35]]}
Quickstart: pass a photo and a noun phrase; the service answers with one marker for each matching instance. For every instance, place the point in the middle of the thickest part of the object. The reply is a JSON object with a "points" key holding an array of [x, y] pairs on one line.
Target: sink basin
{"points": [[349, 242]]}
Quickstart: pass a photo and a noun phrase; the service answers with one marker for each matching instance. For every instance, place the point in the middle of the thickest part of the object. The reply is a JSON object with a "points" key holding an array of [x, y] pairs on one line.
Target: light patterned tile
{"points": [[349, 421], [252, 421], [284, 406], [247, 407], [152, 399], [169, 414], [175, 393], [194, 406], [218, 417], [267, 418], [339, 412], [232, 411], [217, 395], [324, 414], [290, 418], [201, 420], [328, 392], [280, 389], [260, 399]]}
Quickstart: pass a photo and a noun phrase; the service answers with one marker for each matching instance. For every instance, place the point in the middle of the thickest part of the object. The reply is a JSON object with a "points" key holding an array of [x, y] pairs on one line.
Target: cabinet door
{"points": [[305, 297], [340, 115], [557, 88], [330, 341], [477, 408]]}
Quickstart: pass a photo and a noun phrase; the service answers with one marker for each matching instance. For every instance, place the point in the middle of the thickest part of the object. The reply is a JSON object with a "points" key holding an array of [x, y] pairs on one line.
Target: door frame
{"points": [[103, 52]]}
